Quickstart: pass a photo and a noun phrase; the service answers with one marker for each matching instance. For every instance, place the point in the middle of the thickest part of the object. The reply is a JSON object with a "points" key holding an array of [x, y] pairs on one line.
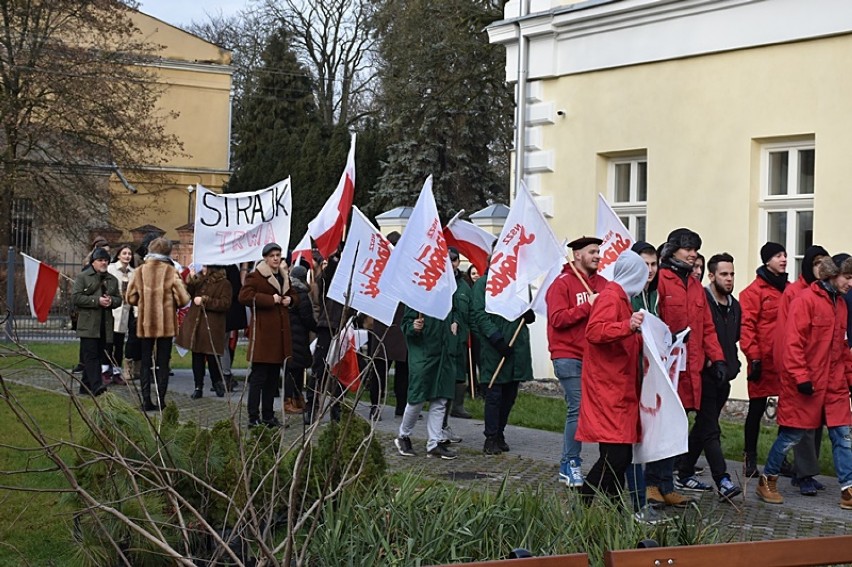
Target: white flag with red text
{"points": [[616, 238], [419, 272], [328, 226], [472, 242], [525, 250], [362, 262], [665, 428]]}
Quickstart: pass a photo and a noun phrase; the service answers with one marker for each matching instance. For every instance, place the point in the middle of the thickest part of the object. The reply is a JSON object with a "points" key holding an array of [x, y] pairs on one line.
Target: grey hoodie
{"points": [[631, 273]]}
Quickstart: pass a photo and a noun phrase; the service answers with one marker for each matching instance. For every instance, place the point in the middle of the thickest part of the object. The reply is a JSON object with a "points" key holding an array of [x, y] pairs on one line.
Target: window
{"points": [[628, 180], [23, 227], [787, 198]]}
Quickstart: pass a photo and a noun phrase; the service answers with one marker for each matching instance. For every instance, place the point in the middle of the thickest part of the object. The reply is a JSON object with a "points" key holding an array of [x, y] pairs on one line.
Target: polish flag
{"points": [[342, 358], [42, 284], [471, 241], [303, 250], [329, 225]]}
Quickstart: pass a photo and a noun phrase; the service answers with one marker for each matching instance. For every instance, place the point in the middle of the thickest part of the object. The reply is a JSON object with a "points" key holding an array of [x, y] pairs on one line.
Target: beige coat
{"points": [[121, 315]]}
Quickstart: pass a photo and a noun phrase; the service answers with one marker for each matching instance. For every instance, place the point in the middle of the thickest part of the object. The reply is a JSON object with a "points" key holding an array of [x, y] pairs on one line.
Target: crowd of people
{"points": [[793, 337]]}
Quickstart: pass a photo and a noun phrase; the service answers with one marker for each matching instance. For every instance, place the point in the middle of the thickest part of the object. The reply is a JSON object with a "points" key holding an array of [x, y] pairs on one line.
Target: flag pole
{"points": [[470, 365], [579, 277], [503, 360]]}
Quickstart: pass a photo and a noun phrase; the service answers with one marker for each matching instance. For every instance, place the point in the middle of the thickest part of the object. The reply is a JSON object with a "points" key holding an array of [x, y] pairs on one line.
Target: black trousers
{"points": [[499, 400], [293, 380], [198, 363], [706, 434], [263, 385], [91, 351], [607, 474], [322, 380], [400, 385], [156, 354], [756, 407], [377, 380], [117, 353]]}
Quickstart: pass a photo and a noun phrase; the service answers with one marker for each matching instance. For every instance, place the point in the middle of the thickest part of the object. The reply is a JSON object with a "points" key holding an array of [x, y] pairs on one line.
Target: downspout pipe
{"points": [[521, 97]]}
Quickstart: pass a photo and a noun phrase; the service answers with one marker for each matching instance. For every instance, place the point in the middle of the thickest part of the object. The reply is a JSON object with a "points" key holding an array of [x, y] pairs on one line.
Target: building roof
{"points": [[495, 211], [397, 213]]}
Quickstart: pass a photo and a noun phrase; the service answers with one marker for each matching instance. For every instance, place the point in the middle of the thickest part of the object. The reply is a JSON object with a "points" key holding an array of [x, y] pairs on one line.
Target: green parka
{"points": [[88, 287], [430, 372], [458, 343], [518, 367]]}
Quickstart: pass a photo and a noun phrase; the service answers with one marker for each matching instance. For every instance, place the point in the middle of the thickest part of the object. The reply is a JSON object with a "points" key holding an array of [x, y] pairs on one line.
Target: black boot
{"points": [[458, 409], [491, 447], [219, 388], [197, 393], [148, 405], [501, 443], [750, 465]]}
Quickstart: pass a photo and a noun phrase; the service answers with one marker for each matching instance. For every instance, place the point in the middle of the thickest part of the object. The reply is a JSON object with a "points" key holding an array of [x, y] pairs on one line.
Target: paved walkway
{"points": [[531, 463]]}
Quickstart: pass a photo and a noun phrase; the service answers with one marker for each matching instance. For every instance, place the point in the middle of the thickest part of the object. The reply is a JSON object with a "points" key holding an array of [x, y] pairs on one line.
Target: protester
{"points": [[458, 344], [203, 329], [698, 268], [97, 242], [570, 299], [706, 433], [386, 346], [235, 321], [121, 268], [302, 324], [760, 308], [816, 380], [430, 378], [609, 414], [95, 294], [157, 290], [268, 295]]}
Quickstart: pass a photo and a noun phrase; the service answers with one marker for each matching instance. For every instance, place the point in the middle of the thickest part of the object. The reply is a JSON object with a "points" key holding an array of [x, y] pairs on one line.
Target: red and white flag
{"points": [[42, 283], [526, 250], [616, 238], [362, 263], [471, 241], [303, 251], [342, 358], [329, 225], [419, 272]]}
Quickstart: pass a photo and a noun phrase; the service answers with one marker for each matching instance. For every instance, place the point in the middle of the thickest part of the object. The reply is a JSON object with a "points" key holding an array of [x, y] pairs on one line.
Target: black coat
{"points": [[235, 316], [302, 323], [727, 319]]}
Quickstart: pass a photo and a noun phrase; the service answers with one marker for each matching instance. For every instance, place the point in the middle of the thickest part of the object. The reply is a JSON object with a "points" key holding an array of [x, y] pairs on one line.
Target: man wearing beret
{"points": [[569, 302]]}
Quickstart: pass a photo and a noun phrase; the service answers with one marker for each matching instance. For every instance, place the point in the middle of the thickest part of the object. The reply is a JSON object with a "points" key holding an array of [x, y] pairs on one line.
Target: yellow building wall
{"points": [[701, 121]]}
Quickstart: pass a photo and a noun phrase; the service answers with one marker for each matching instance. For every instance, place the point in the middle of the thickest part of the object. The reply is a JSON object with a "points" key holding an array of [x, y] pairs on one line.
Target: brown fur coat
{"points": [[157, 290], [270, 340], [203, 329]]}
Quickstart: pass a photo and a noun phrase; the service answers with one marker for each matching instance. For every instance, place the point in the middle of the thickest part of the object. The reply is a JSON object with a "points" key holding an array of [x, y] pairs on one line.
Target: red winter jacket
{"points": [[568, 311], [610, 382], [760, 304], [816, 351], [791, 292], [680, 307]]}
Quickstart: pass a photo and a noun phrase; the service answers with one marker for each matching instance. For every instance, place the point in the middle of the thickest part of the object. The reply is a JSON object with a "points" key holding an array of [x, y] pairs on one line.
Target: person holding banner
{"points": [[570, 299], [268, 294], [609, 414]]}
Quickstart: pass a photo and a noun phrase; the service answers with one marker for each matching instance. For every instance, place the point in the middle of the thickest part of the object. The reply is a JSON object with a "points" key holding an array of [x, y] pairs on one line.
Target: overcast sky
{"points": [[181, 12]]}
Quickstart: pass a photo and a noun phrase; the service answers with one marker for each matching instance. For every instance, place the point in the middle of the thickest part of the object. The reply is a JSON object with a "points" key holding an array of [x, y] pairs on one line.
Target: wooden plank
{"points": [[571, 560], [778, 553]]}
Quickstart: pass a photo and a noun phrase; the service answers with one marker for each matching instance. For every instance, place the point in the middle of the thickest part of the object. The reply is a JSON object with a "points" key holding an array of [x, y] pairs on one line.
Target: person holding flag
{"points": [[459, 340], [569, 302]]}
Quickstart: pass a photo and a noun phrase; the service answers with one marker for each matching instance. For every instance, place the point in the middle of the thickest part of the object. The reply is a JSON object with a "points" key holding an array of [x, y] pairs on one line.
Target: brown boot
{"points": [[678, 500], [846, 498], [290, 407], [767, 489]]}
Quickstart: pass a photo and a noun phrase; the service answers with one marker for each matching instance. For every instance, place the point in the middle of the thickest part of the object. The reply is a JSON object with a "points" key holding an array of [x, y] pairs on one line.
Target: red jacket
{"points": [[816, 351], [568, 311], [791, 292], [685, 305], [760, 304], [610, 382]]}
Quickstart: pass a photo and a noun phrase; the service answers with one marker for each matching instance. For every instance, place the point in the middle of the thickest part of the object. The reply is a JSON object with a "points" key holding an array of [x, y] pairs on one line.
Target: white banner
{"points": [[616, 238], [233, 228], [419, 272], [665, 429], [364, 258]]}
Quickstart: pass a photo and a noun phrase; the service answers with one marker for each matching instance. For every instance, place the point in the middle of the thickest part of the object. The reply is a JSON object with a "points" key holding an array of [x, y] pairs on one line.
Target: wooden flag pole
{"points": [[581, 278], [503, 360], [470, 365]]}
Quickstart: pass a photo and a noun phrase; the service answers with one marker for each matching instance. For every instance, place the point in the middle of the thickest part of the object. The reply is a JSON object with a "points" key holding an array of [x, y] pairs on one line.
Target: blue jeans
{"points": [[841, 450], [568, 372], [636, 485], [661, 475]]}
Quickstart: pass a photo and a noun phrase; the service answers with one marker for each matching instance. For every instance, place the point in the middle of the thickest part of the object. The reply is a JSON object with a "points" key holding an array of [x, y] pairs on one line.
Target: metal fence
{"points": [[20, 324]]}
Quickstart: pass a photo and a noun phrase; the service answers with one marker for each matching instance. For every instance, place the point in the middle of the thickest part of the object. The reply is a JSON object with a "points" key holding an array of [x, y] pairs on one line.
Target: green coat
{"points": [[646, 300], [430, 373], [518, 367], [88, 288], [458, 343]]}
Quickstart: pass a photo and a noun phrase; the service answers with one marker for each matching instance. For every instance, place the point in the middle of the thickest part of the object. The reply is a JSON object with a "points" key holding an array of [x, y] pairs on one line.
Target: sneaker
{"points": [[767, 489], [677, 500], [77, 369], [846, 498], [728, 490], [441, 452], [818, 484], [570, 474], [403, 445], [698, 470], [807, 486], [691, 484], [654, 497], [272, 423], [106, 377], [450, 436], [648, 515]]}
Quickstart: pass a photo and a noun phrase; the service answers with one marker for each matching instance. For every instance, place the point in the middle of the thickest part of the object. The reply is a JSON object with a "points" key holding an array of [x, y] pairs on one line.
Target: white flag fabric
{"points": [[419, 272], [233, 228], [665, 428], [303, 251], [364, 258], [472, 242], [616, 238], [526, 250], [328, 226]]}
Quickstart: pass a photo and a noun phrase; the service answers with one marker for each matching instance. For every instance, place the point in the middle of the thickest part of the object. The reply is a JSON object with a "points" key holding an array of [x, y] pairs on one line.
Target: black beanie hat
{"points": [[100, 254], [769, 250], [642, 247]]}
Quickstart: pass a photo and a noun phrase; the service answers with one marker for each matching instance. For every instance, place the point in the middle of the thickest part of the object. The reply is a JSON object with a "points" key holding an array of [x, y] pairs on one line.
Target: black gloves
{"points": [[806, 388], [720, 372], [754, 368], [529, 317], [499, 344]]}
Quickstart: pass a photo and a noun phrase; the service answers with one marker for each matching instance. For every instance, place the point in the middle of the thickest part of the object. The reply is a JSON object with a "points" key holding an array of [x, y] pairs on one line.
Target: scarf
{"points": [[778, 281]]}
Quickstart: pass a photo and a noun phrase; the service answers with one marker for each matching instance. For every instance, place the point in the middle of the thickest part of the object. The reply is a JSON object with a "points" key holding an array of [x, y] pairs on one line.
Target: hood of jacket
{"points": [[631, 273]]}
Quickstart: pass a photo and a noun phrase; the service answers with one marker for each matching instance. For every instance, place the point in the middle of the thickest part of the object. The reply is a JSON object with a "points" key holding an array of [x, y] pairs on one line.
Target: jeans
{"points": [[434, 421], [568, 372], [661, 475], [706, 434], [636, 485], [841, 450], [499, 400]]}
